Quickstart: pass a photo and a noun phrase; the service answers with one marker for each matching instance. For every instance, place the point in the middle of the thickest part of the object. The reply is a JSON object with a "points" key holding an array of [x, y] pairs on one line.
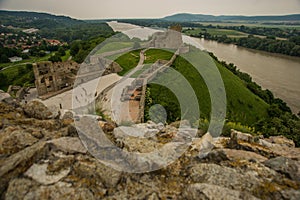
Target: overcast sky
{"points": [[97, 9]]}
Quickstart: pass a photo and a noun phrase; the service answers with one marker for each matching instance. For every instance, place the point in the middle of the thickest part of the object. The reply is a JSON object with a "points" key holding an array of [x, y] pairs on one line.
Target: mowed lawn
{"points": [[128, 61], [152, 55]]}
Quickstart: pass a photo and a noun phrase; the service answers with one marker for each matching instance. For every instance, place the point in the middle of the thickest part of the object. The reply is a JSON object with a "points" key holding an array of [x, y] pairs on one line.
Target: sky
{"points": [[104, 9]]}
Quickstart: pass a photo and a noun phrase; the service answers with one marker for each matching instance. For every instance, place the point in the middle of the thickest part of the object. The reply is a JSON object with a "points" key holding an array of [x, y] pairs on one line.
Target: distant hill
{"points": [[186, 17], [26, 19], [55, 27]]}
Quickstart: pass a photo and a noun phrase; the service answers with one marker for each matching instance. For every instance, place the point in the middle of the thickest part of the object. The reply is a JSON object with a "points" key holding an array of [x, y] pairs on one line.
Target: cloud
{"points": [[152, 9]]}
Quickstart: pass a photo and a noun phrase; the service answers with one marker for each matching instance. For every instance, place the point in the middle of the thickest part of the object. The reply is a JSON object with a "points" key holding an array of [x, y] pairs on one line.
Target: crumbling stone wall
{"points": [[171, 39], [52, 77]]}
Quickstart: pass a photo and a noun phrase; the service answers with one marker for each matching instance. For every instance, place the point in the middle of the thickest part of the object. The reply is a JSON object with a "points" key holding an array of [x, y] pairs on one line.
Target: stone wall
{"points": [[53, 77]]}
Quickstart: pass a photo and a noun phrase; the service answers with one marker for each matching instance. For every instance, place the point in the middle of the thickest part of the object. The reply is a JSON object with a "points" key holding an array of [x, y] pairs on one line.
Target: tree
{"points": [[3, 79], [21, 71], [80, 56], [75, 47], [29, 67], [295, 51], [55, 58], [61, 51], [4, 59]]}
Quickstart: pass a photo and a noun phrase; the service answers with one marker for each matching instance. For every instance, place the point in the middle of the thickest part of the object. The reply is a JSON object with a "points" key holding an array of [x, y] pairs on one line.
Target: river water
{"points": [[278, 73]]}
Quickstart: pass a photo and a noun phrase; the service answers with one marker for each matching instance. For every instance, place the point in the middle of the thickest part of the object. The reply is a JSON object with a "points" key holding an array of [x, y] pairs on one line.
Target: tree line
{"points": [[289, 47]]}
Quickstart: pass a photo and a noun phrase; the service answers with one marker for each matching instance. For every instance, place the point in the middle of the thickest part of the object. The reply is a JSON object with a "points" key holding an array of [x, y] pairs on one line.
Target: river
{"points": [[278, 73]]}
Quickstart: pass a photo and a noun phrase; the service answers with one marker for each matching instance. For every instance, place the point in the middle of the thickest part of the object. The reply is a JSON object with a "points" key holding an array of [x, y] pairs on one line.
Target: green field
{"points": [[218, 32], [250, 24], [30, 60]]}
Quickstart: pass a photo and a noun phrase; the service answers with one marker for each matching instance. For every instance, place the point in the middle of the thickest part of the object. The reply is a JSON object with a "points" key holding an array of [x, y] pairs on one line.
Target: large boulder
{"points": [[224, 176], [91, 168], [59, 191], [39, 173], [19, 162], [18, 188], [203, 145], [36, 109], [237, 136], [68, 145], [5, 97], [287, 166], [234, 154], [282, 141], [213, 192], [14, 139]]}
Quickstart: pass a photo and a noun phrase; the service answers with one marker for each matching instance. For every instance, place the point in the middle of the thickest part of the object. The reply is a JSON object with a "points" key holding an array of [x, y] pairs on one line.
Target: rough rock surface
{"points": [[5, 97], [213, 192], [38, 110], [38, 172], [286, 166], [42, 157]]}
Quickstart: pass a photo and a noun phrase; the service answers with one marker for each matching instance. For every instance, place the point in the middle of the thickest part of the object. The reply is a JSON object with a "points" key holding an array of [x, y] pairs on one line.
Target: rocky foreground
{"points": [[42, 157]]}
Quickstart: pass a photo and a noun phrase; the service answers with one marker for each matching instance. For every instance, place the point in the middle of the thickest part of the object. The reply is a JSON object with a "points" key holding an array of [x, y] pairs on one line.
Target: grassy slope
{"points": [[14, 77], [128, 61], [242, 105], [12, 73], [66, 57]]}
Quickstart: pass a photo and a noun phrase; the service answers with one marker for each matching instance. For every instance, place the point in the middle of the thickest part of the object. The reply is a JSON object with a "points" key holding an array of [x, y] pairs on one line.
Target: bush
{"points": [[55, 58], [236, 126]]}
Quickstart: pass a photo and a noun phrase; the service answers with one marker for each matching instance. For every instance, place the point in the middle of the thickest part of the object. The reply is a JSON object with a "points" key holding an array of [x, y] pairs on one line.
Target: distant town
{"points": [[25, 42]]}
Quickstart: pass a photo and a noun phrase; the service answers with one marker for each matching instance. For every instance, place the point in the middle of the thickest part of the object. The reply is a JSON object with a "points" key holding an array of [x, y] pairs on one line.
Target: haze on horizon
{"points": [[100, 9]]}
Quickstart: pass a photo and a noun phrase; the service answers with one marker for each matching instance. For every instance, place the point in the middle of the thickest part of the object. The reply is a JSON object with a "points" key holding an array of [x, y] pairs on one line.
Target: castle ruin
{"points": [[50, 78], [171, 39]]}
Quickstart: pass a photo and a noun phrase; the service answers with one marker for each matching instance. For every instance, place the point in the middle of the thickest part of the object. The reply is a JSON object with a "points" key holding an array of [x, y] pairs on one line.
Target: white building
{"points": [[15, 59]]}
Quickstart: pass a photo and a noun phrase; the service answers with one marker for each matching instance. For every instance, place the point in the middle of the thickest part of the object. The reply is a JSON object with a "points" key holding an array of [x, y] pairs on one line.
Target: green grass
{"points": [[245, 23], [13, 75], [66, 57], [218, 32], [12, 71], [30, 60], [242, 105], [128, 61], [17, 75], [152, 55]]}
